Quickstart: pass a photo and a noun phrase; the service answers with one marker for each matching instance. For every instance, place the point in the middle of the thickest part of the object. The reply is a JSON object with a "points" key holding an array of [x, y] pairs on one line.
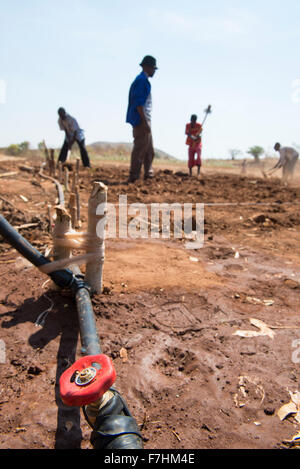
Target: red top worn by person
{"points": [[193, 130]]}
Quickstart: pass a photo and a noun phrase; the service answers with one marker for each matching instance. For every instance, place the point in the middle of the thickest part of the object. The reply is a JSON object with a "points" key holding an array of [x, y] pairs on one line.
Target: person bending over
{"points": [[73, 133]]}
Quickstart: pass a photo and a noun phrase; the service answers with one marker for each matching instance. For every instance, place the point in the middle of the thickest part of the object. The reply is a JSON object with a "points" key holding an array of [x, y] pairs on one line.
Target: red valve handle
{"points": [[87, 380]]}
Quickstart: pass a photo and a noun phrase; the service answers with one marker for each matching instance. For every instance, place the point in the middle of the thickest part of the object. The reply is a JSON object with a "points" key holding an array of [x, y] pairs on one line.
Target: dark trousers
{"points": [[84, 154], [142, 153]]}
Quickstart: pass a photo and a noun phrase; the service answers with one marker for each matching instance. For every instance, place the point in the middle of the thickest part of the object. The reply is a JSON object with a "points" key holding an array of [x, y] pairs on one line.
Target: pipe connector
{"points": [[114, 426]]}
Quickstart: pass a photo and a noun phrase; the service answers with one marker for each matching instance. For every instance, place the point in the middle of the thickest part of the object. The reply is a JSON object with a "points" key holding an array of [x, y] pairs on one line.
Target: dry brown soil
{"points": [[190, 382]]}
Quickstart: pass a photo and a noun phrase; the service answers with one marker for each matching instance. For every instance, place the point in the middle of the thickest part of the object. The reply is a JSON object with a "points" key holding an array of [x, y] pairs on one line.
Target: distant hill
{"points": [[122, 148]]}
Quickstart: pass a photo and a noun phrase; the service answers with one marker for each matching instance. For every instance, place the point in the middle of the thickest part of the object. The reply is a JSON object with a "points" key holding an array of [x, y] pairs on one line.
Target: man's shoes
{"points": [[131, 180], [149, 176]]}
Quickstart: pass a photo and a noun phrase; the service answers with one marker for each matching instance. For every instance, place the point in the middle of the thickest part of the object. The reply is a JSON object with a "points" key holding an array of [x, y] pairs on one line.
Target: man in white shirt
{"points": [[73, 133], [287, 161]]}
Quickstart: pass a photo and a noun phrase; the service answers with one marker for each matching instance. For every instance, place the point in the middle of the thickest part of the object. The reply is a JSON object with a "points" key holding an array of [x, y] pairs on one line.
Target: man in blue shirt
{"points": [[139, 116]]}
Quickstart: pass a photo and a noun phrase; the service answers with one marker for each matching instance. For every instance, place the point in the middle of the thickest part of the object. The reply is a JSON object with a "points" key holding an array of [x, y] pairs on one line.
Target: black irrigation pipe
{"points": [[115, 427], [89, 339], [64, 278]]}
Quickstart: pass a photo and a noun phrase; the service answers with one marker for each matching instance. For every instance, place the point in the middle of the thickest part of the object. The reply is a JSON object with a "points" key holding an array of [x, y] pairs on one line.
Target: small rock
{"points": [[269, 411], [291, 284], [20, 429], [248, 350], [259, 218], [205, 427], [35, 370]]}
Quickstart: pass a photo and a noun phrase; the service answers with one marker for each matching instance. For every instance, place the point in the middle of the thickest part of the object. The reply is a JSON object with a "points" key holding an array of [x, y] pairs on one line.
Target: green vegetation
{"points": [[16, 149], [234, 153], [256, 151]]}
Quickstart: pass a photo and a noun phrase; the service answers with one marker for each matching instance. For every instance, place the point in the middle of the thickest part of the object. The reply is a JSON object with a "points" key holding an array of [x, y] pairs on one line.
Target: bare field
{"points": [[190, 381]]}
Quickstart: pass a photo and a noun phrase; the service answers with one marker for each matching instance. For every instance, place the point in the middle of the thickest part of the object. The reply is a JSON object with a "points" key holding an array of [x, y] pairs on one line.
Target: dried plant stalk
{"points": [[47, 157], [66, 179], [50, 218], [78, 219], [77, 170], [61, 227], [96, 228], [52, 163], [73, 209], [60, 172], [73, 181]]}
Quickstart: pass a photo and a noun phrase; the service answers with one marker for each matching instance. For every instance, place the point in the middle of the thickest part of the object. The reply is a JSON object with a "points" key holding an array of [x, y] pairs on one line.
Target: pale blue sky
{"points": [[240, 57]]}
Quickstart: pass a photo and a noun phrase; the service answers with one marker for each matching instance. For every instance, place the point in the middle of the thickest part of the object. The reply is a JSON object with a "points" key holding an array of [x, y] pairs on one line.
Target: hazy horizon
{"points": [[83, 55]]}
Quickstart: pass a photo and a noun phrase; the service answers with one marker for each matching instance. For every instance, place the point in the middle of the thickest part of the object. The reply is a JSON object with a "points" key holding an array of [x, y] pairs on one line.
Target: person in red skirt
{"points": [[193, 130]]}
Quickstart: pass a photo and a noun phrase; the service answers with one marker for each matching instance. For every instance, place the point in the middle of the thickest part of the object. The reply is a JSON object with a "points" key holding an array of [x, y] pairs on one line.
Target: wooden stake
{"points": [[61, 227], [12, 173], [77, 170], [52, 162], [78, 219], [69, 155], [60, 172], [96, 234], [66, 179], [47, 156], [73, 181], [73, 209], [50, 218]]}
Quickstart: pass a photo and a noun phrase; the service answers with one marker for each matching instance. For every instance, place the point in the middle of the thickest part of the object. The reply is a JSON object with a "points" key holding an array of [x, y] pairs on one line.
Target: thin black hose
{"points": [[62, 278], [118, 431], [59, 188], [16, 240]]}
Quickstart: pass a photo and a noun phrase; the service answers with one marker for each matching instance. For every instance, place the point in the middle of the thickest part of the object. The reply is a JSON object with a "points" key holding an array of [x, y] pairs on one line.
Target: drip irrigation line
{"points": [[60, 191], [212, 204], [246, 204], [115, 427], [65, 279]]}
